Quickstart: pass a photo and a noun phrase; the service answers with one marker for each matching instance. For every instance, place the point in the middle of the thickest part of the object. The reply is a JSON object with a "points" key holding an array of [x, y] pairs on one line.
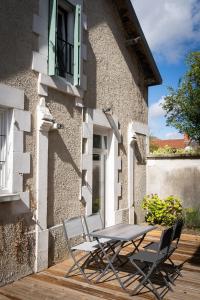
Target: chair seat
{"points": [[155, 245], [86, 246], [147, 256]]}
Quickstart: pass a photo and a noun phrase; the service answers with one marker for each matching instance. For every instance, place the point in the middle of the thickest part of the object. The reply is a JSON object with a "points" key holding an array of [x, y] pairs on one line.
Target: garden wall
{"points": [[174, 175]]}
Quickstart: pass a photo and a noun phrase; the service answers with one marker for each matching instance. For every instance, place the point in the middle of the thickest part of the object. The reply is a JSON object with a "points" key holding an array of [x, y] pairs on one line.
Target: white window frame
{"points": [[18, 162]]}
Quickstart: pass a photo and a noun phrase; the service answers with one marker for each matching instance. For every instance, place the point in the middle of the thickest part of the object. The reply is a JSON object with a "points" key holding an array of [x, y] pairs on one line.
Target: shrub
{"points": [[192, 217], [162, 211]]}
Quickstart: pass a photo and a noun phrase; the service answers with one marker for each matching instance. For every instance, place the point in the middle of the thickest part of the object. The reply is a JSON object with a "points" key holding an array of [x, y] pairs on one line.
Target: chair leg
{"points": [[175, 267], [146, 279], [76, 264]]}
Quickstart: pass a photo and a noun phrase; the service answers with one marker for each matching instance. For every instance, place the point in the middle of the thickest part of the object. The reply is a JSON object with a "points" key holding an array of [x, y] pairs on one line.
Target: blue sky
{"points": [[172, 29]]}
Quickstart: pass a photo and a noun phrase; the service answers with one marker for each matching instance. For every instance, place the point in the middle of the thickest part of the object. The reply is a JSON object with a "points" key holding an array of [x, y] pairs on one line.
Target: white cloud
{"points": [[173, 135], [169, 25], [156, 110]]}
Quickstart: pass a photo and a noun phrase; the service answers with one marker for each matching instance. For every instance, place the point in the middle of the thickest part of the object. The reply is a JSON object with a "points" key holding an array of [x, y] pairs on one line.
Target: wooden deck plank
{"points": [[51, 284]]}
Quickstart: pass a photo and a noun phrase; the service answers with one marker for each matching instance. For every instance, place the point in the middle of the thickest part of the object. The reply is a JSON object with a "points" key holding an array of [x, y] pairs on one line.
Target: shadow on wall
{"points": [[106, 12], [16, 21], [64, 155], [184, 183]]}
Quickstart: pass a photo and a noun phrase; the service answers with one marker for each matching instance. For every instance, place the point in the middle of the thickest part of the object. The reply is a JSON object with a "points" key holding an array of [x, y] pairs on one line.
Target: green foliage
{"points": [[153, 147], [182, 106], [162, 211], [192, 217], [169, 150]]}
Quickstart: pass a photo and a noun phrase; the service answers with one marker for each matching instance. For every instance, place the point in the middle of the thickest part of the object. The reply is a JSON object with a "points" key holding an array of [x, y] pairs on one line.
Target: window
{"points": [[64, 40]]}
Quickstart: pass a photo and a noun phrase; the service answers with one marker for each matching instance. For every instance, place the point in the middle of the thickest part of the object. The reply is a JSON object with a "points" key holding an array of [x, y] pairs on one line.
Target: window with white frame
{"points": [[3, 148], [64, 40]]}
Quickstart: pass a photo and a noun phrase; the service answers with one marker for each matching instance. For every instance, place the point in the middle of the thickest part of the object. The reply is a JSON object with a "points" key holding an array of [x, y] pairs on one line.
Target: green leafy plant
{"points": [[192, 217], [162, 211], [171, 151]]}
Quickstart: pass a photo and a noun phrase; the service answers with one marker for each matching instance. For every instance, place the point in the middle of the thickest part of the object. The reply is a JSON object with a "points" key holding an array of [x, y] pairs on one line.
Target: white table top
{"points": [[122, 232]]}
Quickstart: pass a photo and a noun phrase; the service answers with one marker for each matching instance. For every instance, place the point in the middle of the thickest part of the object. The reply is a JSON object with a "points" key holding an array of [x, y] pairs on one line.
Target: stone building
{"points": [[74, 81]]}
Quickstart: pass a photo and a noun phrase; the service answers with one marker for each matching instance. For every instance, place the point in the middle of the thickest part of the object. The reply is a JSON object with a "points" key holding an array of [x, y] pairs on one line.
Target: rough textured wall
{"points": [[115, 78], [17, 44], [178, 177], [64, 177]]}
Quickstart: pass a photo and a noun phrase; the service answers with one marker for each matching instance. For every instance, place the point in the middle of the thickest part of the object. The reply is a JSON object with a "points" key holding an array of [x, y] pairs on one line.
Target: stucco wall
{"points": [[178, 177], [115, 80], [17, 44], [64, 173]]}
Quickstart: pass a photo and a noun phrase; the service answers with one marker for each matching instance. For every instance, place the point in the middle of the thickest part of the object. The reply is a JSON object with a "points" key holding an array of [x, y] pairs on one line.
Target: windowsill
{"points": [[9, 197], [60, 84]]}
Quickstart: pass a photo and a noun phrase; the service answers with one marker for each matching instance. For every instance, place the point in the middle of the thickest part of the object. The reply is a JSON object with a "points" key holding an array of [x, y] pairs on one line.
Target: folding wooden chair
{"points": [[152, 263], [73, 228]]}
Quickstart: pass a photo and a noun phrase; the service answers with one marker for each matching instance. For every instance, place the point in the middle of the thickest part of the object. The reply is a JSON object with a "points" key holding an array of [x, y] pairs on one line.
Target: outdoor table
{"points": [[121, 233]]}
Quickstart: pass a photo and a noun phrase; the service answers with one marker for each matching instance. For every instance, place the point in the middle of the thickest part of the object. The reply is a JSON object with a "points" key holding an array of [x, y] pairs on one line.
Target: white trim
{"points": [[84, 51], [40, 26], [84, 82], [133, 128], [22, 120], [84, 21], [44, 124], [39, 63], [97, 120], [9, 197], [140, 128], [11, 97], [60, 84], [18, 161]]}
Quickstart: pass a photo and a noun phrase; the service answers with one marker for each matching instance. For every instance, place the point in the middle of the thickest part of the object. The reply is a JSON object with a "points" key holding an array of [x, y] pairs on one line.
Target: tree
{"points": [[182, 106]]}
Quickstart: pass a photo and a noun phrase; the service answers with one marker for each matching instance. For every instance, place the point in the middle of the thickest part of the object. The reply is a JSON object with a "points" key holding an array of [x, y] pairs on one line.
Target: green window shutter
{"points": [[52, 36], [77, 45]]}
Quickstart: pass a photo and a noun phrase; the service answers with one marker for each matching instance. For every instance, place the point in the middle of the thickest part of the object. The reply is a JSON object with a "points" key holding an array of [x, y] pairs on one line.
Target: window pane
{"points": [[3, 122], [96, 189], [105, 142], [97, 141], [96, 157], [65, 40]]}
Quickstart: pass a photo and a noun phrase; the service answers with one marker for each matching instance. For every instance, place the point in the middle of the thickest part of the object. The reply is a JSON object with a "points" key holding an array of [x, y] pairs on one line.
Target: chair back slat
{"points": [[93, 222], [166, 238], [177, 230], [73, 227]]}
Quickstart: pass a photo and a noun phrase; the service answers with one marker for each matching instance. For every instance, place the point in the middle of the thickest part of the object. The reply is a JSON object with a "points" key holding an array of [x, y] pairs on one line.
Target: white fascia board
{"points": [[11, 97]]}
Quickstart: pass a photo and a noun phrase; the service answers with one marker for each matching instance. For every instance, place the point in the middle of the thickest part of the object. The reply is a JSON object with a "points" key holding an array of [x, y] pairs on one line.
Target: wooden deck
{"points": [[51, 284]]}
